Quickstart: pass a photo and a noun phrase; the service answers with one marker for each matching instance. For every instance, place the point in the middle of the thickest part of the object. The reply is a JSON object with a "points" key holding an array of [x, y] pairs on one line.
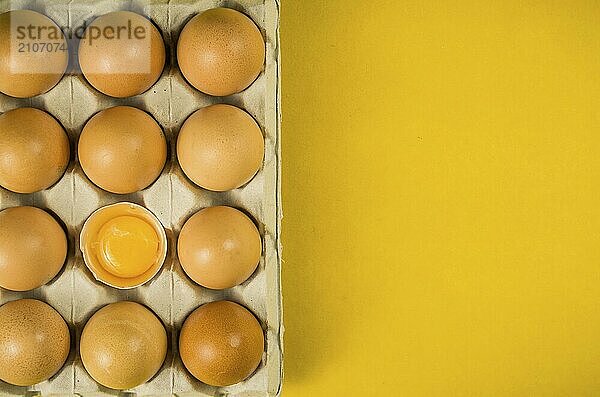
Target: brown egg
{"points": [[33, 248], [123, 345], [221, 51], [34, 150], [219, 247], [122, 149], [220, 147], [122, 54], [32, 61], [34, 342], [221, 343]]}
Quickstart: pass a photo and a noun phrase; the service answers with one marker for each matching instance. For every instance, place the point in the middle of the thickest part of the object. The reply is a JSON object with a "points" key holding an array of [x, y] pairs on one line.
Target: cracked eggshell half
{"points": [[124, 245]]}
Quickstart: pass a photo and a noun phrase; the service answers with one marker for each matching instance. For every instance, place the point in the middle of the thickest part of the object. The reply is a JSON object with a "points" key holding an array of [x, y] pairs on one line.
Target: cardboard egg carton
{"points": [[173, 198]]}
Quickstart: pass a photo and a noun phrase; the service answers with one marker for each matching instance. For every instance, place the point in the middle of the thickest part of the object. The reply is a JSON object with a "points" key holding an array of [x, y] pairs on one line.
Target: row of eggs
{"points": [[124, 246], [123, 149], [124, 344], [220, 52]]}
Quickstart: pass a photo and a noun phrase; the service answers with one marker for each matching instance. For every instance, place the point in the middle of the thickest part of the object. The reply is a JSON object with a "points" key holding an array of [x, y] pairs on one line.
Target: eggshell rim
{"points": [[155, 223]]}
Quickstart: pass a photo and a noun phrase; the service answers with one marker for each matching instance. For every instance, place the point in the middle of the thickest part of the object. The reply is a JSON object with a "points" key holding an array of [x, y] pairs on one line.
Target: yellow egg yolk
{"points": [[127, 246]]}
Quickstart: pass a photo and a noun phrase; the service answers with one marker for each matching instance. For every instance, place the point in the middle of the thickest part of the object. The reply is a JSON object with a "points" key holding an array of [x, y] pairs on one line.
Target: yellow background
{"points": [[441, 198]]}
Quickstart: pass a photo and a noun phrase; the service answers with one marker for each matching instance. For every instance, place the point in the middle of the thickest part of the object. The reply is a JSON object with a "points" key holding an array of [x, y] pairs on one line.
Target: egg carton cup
{"points": [[173, 198]]}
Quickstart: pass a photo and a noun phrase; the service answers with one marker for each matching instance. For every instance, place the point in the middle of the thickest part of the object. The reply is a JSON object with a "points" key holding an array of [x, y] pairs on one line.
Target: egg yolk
{"points": [[128, 246]]}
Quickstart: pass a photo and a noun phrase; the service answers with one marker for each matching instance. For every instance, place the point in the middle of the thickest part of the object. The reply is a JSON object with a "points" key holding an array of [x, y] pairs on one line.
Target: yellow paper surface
{"points": [[441, 182]]}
